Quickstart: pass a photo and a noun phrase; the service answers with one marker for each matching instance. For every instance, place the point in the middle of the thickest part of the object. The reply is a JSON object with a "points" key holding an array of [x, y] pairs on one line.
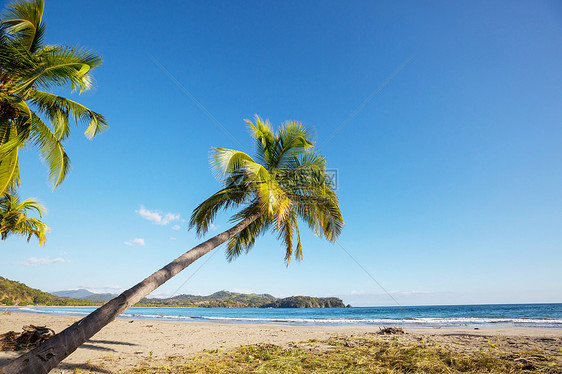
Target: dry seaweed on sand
{"points": [[32, 336], [354, 355], [390, 331]]}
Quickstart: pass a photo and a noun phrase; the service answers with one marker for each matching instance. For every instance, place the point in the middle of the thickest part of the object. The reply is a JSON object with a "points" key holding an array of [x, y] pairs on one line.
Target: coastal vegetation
{"points": [[14, 293], [225, 299], [306, 302], [367, 354], [17, 293], [287, 182], [220, 299]]}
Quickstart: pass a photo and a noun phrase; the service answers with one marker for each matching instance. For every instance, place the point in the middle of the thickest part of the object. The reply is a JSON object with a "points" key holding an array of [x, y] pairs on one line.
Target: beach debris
{"points": [[32, 336], [349, 343], [526, 363], [390, 331]]}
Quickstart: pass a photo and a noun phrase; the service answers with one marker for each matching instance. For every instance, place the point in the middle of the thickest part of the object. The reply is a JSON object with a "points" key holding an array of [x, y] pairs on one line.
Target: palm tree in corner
{"points": [[14, 218], [285, 183], [29, 69]]}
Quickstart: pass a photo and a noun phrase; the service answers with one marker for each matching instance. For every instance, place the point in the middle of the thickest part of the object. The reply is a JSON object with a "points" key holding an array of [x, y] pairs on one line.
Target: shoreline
{"points": [[475, 323], [127, 342]]}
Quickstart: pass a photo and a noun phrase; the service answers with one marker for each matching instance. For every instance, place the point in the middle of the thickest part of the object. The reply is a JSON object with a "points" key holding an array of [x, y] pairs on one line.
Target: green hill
{"points": [[306, 302], [17, 293], [220, 299]]}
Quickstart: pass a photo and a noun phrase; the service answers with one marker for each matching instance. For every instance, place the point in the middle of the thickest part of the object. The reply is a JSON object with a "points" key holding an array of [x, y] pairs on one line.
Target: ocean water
{"points": [[517, 315]]}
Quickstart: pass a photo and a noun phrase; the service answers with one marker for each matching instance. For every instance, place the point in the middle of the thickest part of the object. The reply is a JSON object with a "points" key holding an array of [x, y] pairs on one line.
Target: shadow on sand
{"points": [[75, 368], [110, 342], [6, 357]]}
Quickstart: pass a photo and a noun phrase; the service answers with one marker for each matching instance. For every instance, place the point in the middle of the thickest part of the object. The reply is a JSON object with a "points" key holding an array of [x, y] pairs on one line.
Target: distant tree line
{"points": [[16, 293], [306, 302]]}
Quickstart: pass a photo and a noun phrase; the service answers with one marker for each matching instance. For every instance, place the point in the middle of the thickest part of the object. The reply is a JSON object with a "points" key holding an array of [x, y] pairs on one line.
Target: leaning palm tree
{"points": [[15, 219], [28, 70], [285, 183]]}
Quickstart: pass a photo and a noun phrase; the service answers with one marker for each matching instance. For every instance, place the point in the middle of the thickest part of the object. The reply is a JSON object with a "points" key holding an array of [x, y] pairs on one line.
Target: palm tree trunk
{"points": [[48, 355]]}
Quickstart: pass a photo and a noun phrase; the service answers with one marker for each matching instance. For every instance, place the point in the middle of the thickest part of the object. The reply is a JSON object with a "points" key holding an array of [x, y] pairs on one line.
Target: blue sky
{"points": [[442, 120]]}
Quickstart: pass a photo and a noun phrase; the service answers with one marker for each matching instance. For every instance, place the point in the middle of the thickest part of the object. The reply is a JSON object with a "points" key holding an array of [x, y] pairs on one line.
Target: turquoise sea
{"points": [[517, 315]]}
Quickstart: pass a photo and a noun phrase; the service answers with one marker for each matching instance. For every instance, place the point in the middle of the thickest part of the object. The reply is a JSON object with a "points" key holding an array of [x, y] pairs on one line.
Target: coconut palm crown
{"points": [[285, 183], [28, 70], [14, 218]]}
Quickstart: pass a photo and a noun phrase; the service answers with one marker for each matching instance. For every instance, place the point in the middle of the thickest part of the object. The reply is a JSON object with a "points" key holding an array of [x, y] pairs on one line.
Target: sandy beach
{"points": [[126, 343]]}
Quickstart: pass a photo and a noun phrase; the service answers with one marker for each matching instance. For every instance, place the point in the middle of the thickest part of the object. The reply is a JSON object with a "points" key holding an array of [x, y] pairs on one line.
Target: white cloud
{"points": [[156, 216], [138, 241], [173, 238], [34, 261], [176, 227], [213, 227], [135, 241]]}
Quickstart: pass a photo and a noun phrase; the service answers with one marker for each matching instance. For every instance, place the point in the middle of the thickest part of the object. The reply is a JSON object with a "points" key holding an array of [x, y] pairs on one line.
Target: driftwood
{"points": [[32, 336], [390, 331]]}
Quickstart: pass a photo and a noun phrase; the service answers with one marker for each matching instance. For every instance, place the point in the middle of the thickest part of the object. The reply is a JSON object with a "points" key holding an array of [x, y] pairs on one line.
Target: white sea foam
{"points": [[414, 322], [377, 321], [52, 311]]}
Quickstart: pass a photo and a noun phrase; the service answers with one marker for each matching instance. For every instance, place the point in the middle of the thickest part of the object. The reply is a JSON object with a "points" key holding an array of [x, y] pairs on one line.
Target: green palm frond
{"points": [[24, 21], [298, 249], [228, 162], [15, 219], [264, 137], [60, 67], [273, 199], [294, 140], [9, 176], [58, 109], [15, 60], [285, 232], [204, 214], [51, 150], [10, 139], [307, 162], [245, 240], [10, 143], [319, 208]]}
